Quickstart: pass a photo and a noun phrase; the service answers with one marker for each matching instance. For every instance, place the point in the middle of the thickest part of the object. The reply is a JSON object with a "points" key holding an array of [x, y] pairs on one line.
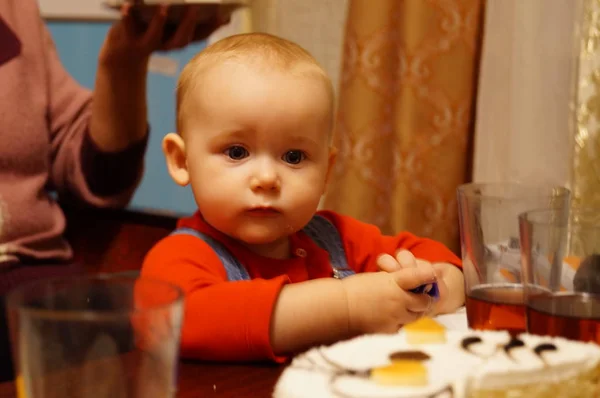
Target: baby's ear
{"points": [[173, 147]]}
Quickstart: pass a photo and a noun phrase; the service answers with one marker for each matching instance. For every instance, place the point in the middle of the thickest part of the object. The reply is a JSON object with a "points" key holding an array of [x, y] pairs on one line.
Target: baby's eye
{"points": [[294, 156], [236, 152]]}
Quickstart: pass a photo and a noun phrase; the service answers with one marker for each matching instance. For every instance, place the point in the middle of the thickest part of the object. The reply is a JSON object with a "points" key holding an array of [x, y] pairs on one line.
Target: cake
{"points": [[470, 364], [424, 331]]}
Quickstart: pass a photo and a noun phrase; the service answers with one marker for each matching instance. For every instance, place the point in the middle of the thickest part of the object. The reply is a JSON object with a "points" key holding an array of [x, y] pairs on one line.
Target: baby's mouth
{"points": [[263, 211]]}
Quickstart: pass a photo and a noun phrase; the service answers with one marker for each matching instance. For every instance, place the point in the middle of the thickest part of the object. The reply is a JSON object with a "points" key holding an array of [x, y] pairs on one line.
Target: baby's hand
{"points": [[381, 301], [404, 260]]}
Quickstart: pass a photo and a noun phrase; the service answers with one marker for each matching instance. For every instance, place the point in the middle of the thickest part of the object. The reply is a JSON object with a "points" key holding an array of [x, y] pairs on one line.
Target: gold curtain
{"points": [[405, 113], [586, 148]]}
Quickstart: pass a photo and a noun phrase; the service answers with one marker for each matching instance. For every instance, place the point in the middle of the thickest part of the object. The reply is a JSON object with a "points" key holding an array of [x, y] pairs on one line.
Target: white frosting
{"points": [[313, 374], [523, 366]]}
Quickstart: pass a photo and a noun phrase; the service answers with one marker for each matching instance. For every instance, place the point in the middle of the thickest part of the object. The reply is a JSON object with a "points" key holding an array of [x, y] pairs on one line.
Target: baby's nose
{"points": [[266, 177]]}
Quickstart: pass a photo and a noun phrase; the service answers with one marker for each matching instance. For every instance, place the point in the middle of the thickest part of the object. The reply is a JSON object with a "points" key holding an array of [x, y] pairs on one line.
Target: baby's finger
{"points": [[419, 303], [406, 259], [442, 287], [424, 263], [410, 278], [409, 317], [421, 262], [387, 263]]}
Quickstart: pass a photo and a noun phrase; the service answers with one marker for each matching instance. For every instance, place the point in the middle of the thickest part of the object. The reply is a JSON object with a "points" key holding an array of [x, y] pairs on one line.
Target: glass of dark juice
{"points": [[490, 248], [561, 260]]}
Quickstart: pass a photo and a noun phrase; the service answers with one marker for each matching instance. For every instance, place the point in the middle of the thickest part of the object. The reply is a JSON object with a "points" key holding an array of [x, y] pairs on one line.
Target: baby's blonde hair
{"points": [[258, 48]]}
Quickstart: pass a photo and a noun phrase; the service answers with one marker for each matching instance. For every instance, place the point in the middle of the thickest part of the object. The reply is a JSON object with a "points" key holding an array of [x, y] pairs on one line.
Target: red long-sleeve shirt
{"points": [[230, 321]]}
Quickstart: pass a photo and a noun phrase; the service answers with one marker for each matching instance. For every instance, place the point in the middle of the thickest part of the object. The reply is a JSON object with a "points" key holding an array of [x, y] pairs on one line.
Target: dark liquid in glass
{"points": [[575, 316], [496, 307]]}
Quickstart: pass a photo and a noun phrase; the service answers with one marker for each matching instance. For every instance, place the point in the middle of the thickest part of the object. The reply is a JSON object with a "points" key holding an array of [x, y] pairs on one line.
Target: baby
{"points": [[265, 274]]}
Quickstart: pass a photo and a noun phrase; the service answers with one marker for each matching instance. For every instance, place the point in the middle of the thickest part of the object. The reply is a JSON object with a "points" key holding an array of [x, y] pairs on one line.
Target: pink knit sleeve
{"points": [[73, 176]]}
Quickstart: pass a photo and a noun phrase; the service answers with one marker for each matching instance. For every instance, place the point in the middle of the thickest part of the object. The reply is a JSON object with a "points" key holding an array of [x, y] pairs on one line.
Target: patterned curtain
{"points": [[405, 113], [586, 148]]}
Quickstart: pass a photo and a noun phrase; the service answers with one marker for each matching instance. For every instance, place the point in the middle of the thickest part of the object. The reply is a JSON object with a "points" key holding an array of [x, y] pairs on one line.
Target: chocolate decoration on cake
{"points": [[540, 348], [468, 342], [513, 343], [409, 356]]}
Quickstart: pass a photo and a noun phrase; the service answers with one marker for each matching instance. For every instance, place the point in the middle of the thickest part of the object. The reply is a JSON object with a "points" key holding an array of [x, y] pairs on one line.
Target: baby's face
{"points": [[257, 146]]}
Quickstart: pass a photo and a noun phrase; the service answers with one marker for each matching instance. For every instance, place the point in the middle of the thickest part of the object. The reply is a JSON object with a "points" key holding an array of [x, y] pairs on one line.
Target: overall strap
{"points": [[327, 237], [319, 229], [235, 270]]}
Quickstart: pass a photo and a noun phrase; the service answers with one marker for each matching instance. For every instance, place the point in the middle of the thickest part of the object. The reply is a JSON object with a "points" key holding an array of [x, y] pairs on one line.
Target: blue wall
{"points": [[78, 45]]}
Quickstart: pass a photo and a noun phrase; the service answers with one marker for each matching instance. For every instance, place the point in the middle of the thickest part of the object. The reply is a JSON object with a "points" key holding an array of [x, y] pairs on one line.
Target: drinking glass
{"points": [[561, 261], [95, 336], [489, 232]]}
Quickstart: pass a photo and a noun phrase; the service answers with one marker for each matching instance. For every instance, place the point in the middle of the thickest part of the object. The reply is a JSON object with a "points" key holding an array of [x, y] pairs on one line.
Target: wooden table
{"points": [[212, 380], [197, 379]]}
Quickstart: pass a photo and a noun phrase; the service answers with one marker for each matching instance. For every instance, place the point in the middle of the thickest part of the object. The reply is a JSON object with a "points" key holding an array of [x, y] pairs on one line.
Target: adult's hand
{"points": [[132, 40]]}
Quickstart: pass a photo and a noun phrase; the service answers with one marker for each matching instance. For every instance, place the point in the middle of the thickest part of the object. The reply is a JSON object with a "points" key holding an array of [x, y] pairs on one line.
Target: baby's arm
{"points": [[322, 311], [223, 321], [310, 312], [265, 318]]}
